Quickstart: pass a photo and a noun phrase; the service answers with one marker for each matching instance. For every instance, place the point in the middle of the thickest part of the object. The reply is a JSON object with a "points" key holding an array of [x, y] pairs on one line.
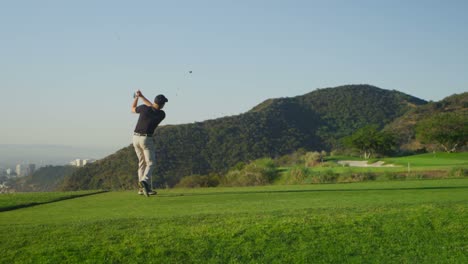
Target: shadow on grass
{"points": [[19, 206]]}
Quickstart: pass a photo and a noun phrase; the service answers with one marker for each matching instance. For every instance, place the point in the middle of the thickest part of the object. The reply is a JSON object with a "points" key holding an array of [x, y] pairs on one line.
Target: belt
{"points": [[142, 135]]}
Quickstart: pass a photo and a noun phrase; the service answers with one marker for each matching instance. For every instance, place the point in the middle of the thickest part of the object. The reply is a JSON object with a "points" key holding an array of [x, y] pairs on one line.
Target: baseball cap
{"points": [[160, 99]]}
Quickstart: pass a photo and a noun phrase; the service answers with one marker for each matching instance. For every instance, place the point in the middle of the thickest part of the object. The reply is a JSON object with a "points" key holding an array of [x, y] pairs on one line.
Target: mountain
{"points": [[45, 179], [404, 126], [314, 121]]}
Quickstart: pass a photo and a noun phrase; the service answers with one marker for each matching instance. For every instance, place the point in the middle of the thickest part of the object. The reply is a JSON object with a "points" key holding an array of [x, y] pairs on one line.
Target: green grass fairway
{"points": [[370, 222], [430, 160], [439, 161]]}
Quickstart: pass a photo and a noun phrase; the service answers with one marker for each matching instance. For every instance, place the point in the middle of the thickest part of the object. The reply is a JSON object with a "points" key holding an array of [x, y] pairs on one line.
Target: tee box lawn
{"points": [[421, 221]]}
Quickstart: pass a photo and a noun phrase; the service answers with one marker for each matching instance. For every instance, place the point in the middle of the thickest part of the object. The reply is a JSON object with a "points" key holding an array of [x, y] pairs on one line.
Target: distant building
{"points": [[81, 162], [25, 170], [20, 170]]}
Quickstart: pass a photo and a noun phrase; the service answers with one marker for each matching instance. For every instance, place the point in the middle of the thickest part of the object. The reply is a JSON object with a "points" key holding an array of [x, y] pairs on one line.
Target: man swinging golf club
{"points": [[150, 117]]}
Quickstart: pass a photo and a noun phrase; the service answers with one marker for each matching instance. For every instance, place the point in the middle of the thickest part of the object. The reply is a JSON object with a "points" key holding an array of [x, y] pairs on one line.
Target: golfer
{"points": [[150, 117]]}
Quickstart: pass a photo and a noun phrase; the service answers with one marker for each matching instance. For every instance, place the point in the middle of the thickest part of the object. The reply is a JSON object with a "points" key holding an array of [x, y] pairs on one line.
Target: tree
{"points": [[369, 140], [449, 130]]}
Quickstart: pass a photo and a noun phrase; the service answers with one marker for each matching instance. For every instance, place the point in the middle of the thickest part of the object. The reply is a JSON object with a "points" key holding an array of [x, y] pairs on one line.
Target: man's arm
{"points": [[138, 95], [134, 105], [145, 101]]}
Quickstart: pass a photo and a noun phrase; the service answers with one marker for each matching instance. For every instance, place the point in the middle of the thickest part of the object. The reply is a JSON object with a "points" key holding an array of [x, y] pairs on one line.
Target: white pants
{"points": [[144, 148]]}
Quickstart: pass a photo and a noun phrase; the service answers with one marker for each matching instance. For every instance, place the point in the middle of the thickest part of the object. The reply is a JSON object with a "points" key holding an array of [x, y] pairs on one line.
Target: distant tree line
{"points": [[44, 179]]}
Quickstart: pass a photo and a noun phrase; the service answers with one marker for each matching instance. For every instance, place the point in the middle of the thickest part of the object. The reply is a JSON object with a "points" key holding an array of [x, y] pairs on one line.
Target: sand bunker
{"points": [[363, 163]]}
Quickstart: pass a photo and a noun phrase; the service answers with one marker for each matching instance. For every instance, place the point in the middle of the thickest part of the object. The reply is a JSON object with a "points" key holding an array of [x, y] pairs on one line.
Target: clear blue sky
{"points": [[68, 68]]}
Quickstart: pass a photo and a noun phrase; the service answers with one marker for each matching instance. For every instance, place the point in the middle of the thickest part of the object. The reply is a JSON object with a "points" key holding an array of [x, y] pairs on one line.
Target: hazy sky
{"points": [[68, 68]]}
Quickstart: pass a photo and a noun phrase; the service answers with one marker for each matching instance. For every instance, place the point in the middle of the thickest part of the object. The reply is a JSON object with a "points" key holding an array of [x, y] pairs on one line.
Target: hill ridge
{"points": [[314, 121]]}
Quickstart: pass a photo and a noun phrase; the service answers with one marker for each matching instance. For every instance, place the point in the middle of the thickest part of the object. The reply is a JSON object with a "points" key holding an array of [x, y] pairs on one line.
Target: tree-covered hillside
{"points": [[404, 126], [345, 109], [315, 121], [45, 179]]}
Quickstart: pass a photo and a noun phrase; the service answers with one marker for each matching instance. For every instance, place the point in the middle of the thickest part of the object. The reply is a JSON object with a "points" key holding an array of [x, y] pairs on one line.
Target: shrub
{"points": [[330, 164], [422, 176], [232, 178], [312, 158], [368, 176], [458, 172], [328, 176], [292, 159], [239, 166], [297, 175], [357, 176], [258, 172], [394, 176], [196, 181]]}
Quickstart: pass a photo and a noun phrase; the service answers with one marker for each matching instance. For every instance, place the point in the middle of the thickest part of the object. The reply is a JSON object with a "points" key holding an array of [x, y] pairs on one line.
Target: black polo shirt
{"points": [[149, 119]]}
